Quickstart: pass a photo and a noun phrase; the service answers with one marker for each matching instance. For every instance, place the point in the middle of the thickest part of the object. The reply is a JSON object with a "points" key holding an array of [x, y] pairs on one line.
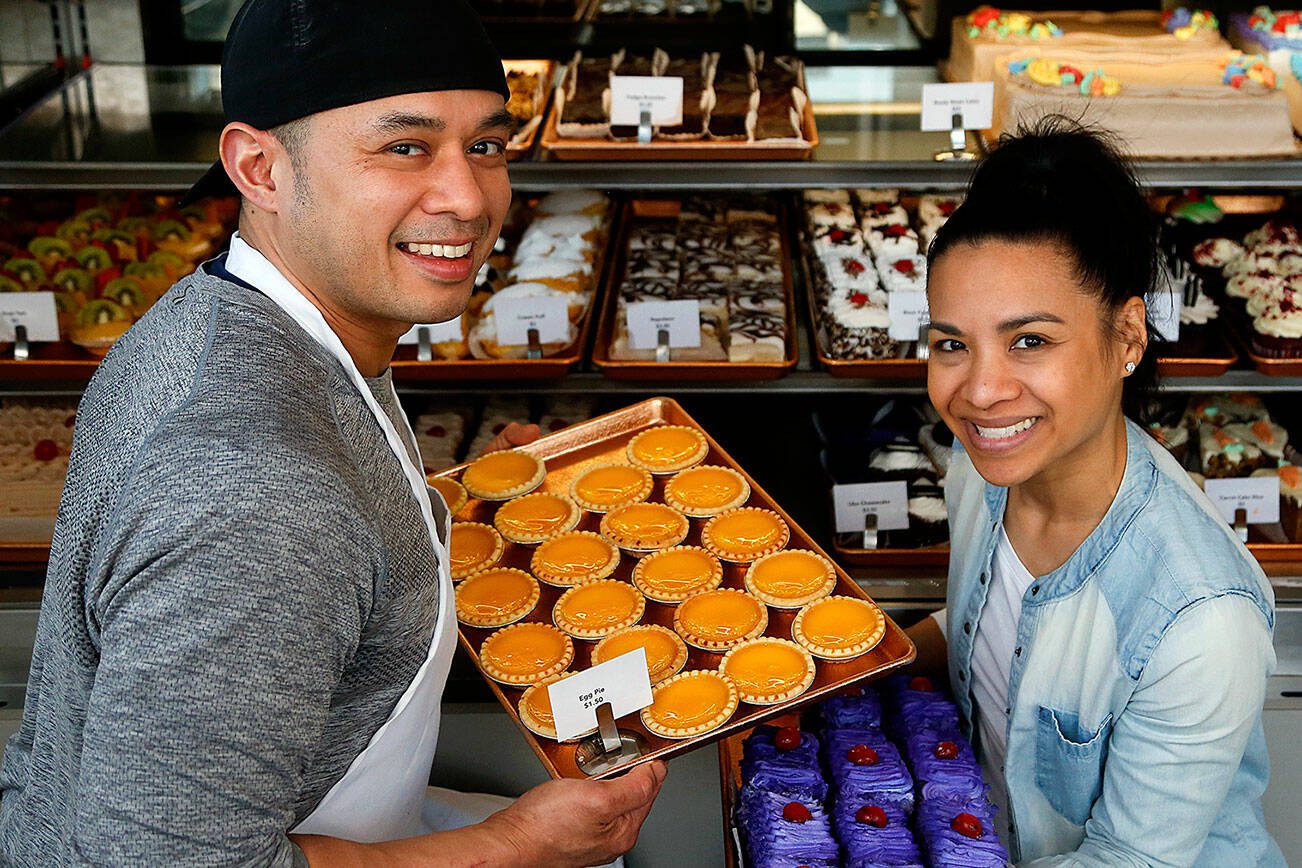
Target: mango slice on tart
{"points": [[503, 475], [674, 574], [644, 527], [719, 619], [473, 547], [792, 578], [453, 492], [838, 628], [667, 449], [666, 653], [768, 670], [496, 596], [701, 492], [690, 703], [610, 486], [597, 609], [746, 534], [532, 518], [525, 653], [535, 708], [574, 558]]}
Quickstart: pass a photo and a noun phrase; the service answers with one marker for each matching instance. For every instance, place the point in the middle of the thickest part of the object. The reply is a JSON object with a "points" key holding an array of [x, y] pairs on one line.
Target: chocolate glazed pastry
{"points": [[693, 73], [732, 104]]}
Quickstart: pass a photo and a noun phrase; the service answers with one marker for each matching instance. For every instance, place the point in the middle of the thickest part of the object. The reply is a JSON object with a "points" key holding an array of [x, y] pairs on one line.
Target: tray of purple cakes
{"points": [[874, 776]]}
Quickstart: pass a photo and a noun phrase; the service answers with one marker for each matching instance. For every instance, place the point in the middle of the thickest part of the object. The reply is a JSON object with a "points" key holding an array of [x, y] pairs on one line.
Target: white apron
{"points": [[381, 796]]}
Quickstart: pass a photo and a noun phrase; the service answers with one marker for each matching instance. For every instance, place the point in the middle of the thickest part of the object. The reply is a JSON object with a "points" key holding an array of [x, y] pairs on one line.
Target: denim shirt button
{"points": [[1017, 652], [967, 626], [962, 676], [983, 578], [1035, 589]]}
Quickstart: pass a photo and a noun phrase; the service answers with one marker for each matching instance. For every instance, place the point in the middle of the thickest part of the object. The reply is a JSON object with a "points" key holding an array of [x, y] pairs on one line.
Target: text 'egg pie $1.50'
{"points": [[473, 547], [536, 708], [525, 653], [689, 704], [717, 620], [666, 653], [838, 628]]}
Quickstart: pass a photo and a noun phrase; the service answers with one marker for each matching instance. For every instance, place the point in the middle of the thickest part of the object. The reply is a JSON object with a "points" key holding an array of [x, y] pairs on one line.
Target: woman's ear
{"points": [[1131, 327]]}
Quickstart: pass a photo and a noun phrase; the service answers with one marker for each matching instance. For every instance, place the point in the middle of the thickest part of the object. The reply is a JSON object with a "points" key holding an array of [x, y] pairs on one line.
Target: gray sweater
{"points": [[239, 591]]}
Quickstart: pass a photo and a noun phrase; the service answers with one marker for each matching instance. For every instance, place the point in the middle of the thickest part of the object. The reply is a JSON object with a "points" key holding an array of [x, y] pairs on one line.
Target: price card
{"points": [[1164, 313], [515, 316], [908, 312], [623, 682], [1259, 495], [662, 95], [34, 310], [682, 319], [439, 332], [889, 501], [973, 101]]}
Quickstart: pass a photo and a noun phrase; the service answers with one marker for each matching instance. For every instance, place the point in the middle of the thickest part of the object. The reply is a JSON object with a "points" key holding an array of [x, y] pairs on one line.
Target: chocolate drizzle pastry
{"points": [[652, 263], [584, 104]]}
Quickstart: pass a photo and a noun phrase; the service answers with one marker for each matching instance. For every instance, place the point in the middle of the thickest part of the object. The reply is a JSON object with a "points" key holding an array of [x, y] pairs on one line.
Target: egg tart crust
{"points": [[666, 576], [503, 475], [535, 708], [719, 619], [706, 490], [667, 449], [473, 546], [644, 527], [532, 518], [496, 597], [743, 535], [453, 492], [525, 653], [610, 486], [768, 670], [690, 703], [666, 652], [791, 578], [597, 609], [574, 558], [838, 628]]}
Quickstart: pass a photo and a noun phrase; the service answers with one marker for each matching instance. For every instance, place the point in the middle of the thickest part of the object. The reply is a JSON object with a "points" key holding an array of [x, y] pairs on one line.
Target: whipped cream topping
{"points": [[1217, 252], [859, 308]]}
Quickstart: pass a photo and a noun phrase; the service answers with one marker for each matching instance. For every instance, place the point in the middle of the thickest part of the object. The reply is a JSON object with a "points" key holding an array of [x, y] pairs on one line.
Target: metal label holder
{"points": [[870, 531], [424, 349], [1241, 524], [662, 345], [535, 344], [957, 142], [924, 343], [609, 747], [644, 125], [22, 348]]}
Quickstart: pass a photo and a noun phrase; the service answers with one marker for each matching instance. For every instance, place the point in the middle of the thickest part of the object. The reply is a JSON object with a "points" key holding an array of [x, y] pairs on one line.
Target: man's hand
{"points": [[580, 823], [513, 435]]}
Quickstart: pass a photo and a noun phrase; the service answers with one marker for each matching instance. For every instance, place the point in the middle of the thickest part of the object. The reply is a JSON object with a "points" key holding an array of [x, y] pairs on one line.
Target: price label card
{"points": [[973, 101], [646, 319], [34, 310], [662, 95], [1164, 313], [623, 682], [439, 332], [908, 312], [1259, 495], [889, 501], [515, 316]]}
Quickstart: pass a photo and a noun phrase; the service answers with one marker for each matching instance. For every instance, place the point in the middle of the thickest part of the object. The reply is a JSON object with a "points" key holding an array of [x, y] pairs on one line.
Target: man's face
{"points": [[395, 204]]}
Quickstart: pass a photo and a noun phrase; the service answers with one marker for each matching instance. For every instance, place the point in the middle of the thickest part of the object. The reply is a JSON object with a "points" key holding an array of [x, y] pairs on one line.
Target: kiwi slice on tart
{"points": [[93, 258], [126, 292]]}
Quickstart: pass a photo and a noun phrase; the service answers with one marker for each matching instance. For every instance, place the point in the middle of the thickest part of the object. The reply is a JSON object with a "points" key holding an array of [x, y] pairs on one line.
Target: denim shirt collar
{"points": [[1137, 486]]}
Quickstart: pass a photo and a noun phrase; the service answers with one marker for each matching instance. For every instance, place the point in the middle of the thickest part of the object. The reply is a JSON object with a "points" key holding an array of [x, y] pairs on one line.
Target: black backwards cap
{"points": [[287, 59]]}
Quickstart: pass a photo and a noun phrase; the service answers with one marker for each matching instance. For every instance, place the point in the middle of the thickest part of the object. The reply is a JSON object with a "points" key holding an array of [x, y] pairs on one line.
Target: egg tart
{"points": [[525, 653], [535, 708], [597, 609], [574, 558], [452, 492], [719, 619], [497, 596], [666, 653], [610, 486], [767, 671], [837, 628], [746, 534], [792, 578], [707, 490], [535, 517], [667, 449], [673, 575], [689, 704], [473, 547], [503, 475], [644, 527]]}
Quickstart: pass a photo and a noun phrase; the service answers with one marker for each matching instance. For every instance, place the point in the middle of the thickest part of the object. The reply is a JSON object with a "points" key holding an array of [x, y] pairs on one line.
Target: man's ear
{"points": [[253, 159]]}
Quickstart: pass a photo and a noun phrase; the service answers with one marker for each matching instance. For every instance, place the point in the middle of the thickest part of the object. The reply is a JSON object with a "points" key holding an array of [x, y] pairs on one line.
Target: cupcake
{"points": [[1216, 252], [1277, 332]]}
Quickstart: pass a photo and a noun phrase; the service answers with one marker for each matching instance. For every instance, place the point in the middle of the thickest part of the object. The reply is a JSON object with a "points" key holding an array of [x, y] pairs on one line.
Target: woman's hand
{"points": [[933, 650], [513, 435]]}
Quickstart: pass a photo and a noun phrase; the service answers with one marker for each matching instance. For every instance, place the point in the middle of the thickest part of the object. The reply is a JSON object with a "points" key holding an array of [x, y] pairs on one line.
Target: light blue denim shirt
{"points": [[1138, 676]]}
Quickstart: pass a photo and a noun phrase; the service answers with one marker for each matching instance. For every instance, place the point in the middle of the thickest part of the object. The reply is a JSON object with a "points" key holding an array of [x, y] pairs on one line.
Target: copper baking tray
{"points": [[618, 369], [1264, 364], [927, 556], [1220, 358], [608, 150], [59, 362], [522, 142], [408, 369], [571, 451]]}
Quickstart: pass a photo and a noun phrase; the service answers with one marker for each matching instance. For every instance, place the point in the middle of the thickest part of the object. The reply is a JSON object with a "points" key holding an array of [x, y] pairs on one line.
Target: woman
{"points": [[1107, 636]]}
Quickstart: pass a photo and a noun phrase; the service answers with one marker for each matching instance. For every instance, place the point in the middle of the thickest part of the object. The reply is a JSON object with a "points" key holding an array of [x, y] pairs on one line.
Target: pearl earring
{"points": [[1130, 367]]}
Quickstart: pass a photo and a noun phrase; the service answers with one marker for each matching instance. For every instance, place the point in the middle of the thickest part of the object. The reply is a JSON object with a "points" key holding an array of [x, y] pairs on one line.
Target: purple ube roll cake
{"points": [[781, 832], [959, 834], [915, 703], [874, 832], [863, 711], [760, 747], [864, 765], [797, 782], [943, 764]]}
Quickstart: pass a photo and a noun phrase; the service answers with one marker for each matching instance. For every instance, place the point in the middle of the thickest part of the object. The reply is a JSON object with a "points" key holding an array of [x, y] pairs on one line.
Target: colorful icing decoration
{"points": [[1197, 210], [1183, 24], [1283, 22], [1295, 64], [991, 21], [1050, 73], [1242, 68]]}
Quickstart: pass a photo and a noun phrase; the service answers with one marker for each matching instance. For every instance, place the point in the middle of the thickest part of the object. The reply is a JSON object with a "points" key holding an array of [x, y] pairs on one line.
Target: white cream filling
{"points": [[1008, 431]]}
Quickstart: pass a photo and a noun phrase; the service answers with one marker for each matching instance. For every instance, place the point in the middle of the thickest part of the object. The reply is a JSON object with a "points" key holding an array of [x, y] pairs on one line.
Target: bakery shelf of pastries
{"points": [[729, 254], [637, 530], [881, 775], [529, 82], [107, 258], [35, 442]]}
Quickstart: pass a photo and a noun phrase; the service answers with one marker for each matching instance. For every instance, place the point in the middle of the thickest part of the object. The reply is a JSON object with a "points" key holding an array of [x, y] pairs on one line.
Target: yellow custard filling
{"points": [[612, 485], [494, 594], [662, 651], [500, 472], [790, 574], [599, 605], [747, 531], [839, 623], [720, 616], [688, 702], [524, 649], [677, 572], [573, 556], [766, 668], [706, 487], [534, 514], [667, 447], [470, 546]]}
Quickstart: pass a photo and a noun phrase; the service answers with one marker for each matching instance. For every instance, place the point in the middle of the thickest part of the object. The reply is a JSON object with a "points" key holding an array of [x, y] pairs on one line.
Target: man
{"points": [[247, 619]]}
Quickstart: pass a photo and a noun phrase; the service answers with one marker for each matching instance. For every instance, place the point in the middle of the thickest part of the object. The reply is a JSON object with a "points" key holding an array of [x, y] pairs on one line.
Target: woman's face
{"points": [[1024, 367]]}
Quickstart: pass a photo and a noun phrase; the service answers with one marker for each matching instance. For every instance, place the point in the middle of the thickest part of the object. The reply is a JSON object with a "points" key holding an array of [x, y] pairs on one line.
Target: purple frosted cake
{"points": [[874, 832], [944, 765], [768, 744], [863, 711], [959, 834], [914, 704], [781, 832], [864, 764]]}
